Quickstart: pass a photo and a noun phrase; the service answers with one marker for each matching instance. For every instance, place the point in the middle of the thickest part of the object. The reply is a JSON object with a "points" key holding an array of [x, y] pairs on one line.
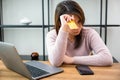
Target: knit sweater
{"points": [[59, 45]]}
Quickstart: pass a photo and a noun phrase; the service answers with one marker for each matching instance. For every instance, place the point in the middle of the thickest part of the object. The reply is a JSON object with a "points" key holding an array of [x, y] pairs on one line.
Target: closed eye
{"points": [[78, 21]]}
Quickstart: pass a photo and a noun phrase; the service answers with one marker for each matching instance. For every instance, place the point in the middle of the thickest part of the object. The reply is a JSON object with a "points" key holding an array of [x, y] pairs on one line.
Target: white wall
{"points": [[87, 6], [29, 40], [25, 40], [113, 33]]}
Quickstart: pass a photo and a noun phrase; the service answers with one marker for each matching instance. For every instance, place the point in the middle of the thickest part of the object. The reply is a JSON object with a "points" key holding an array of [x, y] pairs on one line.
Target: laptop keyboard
{"points": [[35, 72]]}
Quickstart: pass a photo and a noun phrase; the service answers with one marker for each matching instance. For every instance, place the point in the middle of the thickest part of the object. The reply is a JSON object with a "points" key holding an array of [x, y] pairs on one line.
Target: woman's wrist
{"points": [[64, 28], [68, 60], [72, 60]]}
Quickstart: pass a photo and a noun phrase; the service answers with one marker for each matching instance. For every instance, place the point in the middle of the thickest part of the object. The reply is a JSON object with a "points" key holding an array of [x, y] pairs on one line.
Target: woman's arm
{"points": [[102, 56], [56, 46], [94, 60]]}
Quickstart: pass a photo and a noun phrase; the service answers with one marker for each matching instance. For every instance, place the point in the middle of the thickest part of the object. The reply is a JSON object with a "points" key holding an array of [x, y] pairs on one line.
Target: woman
{"points": [[73, 46]]}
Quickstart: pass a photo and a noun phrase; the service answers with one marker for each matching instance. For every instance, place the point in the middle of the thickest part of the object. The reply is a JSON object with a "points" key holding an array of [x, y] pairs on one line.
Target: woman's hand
{"points": [[68, 60], [64, 19]]}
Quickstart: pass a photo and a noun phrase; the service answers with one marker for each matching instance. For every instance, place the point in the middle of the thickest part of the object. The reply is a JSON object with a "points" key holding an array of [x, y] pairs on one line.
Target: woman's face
{"points": [[75, 32]]}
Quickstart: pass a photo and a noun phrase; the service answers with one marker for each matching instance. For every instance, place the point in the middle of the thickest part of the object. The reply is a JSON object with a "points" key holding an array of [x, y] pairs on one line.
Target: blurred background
{"points": [[102, 15]]}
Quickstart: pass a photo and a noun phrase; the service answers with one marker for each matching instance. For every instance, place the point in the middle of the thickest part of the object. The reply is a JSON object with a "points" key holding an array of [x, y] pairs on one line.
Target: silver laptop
{"points": [[32, 70]]}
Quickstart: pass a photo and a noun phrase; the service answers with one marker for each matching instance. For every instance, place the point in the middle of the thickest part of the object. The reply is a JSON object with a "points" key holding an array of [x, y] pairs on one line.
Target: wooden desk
{"points": [[70, 73]]}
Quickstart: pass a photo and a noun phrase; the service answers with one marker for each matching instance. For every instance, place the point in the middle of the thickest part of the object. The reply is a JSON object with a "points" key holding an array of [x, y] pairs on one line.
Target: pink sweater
{"points": [[59, 45]]}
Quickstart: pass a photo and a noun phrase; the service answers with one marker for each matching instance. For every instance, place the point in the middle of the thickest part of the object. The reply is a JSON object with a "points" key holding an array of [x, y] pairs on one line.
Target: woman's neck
{"points": [[71, 38]]}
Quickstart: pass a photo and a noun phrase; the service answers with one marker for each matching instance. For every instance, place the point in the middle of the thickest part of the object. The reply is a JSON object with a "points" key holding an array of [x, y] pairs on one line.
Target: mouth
{"points": [[76, 33]]}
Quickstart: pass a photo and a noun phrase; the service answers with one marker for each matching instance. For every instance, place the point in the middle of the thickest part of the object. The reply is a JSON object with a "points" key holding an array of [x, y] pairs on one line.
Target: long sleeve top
{"points": [[59, 45]]}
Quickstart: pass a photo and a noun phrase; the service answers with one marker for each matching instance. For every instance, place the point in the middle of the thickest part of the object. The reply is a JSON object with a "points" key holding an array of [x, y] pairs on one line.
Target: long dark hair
{"points": [[69, 7]]}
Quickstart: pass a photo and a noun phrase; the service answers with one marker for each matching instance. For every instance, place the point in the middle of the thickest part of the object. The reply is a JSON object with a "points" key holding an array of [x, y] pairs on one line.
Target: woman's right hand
{"points": [[64, 19]]}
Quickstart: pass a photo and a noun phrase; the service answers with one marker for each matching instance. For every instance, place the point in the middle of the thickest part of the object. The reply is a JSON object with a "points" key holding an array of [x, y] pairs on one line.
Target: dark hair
{"points": [[69, 7]]}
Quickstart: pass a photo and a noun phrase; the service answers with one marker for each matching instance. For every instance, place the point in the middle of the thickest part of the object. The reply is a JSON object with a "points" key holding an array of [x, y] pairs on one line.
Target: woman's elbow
{"points": [[55, 63], [106, 60], [109, 61]]}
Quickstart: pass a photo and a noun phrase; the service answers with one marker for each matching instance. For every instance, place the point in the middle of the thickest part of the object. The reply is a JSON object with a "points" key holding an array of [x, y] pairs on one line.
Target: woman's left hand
{"points": [[68, 60]]}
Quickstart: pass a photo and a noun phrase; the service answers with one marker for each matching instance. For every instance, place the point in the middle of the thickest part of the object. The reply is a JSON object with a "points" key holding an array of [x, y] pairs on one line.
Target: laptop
{"points": [[32, 69]]}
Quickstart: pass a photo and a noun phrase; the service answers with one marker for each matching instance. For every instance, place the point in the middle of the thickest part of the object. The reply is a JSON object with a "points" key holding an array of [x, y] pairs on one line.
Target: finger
{"points": [[72, 17]]}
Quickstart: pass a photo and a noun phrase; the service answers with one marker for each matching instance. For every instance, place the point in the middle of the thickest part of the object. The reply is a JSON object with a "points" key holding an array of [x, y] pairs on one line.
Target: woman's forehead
{"points": [[76, 17]]}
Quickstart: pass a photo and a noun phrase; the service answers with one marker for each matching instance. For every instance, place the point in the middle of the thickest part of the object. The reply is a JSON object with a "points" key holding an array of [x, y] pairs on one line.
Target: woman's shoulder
{"points": [[88, 31], [53, 32]]}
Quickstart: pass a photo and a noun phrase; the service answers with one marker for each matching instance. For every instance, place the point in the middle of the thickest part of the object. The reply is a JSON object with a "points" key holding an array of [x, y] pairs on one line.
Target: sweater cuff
{"points": [[63, 33]]}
